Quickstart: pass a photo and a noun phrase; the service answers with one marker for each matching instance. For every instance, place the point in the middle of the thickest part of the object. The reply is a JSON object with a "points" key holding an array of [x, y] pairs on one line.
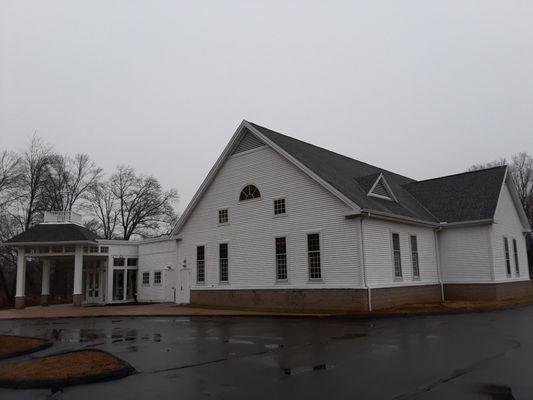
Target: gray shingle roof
{"points": [[462, 197], [469, 196], [55, 233]]}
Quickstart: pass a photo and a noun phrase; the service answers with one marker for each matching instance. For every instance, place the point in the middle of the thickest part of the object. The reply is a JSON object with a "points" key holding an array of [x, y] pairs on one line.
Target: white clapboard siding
{"points": [[157, 256], [253, 227], [379, 258], [465, 254], [507, 223]]}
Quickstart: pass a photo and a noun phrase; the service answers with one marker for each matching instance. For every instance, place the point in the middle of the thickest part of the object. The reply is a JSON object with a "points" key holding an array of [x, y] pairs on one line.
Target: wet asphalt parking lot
{"points": [[467, 356]]}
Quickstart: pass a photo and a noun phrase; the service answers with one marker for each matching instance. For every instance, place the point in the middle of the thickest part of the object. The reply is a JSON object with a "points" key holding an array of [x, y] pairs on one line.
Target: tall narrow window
{"points": [[223, 217], [516, 262], [313, 255], [281, 259], [397, 255], [279, 207], [414, 256], [223, 262], [146, 278], [157, 277], [507, 256], [200, 264]]}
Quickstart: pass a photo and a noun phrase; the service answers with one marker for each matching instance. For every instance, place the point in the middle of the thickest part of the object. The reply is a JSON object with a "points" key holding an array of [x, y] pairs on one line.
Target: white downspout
{"points": [[437, 255], [363, 264]]}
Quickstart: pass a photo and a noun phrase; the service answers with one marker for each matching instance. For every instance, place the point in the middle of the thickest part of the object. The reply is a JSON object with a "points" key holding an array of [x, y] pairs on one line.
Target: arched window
{"points": [[249, 192]]}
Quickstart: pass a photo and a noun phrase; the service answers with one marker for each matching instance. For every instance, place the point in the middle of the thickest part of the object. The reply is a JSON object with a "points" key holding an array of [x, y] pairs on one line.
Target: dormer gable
{"points": [[381, 189]]}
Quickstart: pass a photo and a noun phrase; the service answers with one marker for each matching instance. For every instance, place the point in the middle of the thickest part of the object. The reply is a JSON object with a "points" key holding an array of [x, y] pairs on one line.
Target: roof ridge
{"points": [[331, 151], [457, 174]]}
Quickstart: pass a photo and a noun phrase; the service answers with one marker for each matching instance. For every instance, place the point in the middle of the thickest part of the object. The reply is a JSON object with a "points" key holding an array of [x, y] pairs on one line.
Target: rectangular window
{"points": [[313, 256], [104, 249], [119, 262], [146, 278], [132, 262], [200, 264], [279, 207], [223, 217], [414, 256], [507, 256], [157, 278], [516, 262], [118, 285], [397, 255], [281, 259], [223, 262]]}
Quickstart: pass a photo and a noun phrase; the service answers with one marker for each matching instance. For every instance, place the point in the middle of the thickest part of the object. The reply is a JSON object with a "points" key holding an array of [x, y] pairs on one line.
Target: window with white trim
{"points": [[313, 256], [281, 259], [279, 207], [516, 262], [119, 262], [223, 262], [146, 278], [507, 255], [249, 192], [414, 256], [157, 277], [223, 216], [200, 264], [397, 256], [132, 262]]}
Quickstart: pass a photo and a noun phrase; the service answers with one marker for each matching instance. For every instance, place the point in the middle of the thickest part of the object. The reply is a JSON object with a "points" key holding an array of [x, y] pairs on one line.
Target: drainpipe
{"points": [[363, 264], [437, 255]]}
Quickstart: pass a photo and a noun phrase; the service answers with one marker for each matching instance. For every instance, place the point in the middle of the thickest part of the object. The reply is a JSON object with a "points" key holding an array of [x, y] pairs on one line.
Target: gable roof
{"points": [[469, 196], [351, 177], [54, 233]]}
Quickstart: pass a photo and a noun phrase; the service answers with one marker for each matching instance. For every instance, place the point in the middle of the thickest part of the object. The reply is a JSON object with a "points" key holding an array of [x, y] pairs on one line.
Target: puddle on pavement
{"points": [[349, 336], [497, 392]]}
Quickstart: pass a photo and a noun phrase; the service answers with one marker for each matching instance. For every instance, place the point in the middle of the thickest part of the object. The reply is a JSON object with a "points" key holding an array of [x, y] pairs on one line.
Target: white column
{"points": [[21, 277], [109, 283], [78, 275], [46, 278]]}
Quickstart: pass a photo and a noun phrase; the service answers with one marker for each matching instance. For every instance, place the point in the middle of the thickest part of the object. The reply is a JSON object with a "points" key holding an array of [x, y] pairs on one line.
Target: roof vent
{"points": [[381, 189]]}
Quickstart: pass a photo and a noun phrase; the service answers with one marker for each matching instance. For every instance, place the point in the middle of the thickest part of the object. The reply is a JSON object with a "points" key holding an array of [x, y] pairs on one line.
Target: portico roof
{"points": [[49, 233]]}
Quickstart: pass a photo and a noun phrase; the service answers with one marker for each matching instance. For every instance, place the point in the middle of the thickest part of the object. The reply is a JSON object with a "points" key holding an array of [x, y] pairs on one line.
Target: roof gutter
{"points": [[476, 222], [66, 242], [391, 217]]}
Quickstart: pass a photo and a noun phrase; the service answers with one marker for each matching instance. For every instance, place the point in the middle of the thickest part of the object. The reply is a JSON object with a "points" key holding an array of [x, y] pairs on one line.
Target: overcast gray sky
{"points": [[423, 88]]}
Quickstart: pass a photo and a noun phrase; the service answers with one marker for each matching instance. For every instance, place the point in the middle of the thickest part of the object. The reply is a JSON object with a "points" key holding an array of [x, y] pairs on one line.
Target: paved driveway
{"points": [[470, 356]]}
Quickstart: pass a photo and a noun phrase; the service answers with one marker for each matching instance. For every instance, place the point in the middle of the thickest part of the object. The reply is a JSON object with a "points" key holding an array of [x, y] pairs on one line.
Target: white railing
{"points": [[62, 216]]}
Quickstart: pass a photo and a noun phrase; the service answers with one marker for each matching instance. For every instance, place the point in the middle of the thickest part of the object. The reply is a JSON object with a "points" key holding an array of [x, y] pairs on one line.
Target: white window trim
{"points": [[239, 201], [516, 257], [274, 215], [281, 281], [509, 273], [221, 282], [394, 277], [160, 283], [218, 216], [320, 243], [196, 264], [419, 277], [142, 278]]}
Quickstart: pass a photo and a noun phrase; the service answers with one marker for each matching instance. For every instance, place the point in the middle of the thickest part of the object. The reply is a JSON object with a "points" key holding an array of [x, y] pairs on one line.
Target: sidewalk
{"points": [[144, 310]]}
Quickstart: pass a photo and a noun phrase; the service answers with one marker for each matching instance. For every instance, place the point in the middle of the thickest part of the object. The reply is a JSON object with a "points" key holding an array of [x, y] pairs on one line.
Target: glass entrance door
{"points": [[93, 286]]}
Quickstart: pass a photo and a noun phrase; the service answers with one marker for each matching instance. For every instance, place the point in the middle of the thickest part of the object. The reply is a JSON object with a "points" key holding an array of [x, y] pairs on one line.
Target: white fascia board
{"points": [[302, 167], [209, 178]]}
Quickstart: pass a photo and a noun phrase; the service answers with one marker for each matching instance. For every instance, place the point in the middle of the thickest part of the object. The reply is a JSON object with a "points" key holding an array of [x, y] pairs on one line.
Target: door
{"points": [[93, 286], [171, 281], [183, 295]]}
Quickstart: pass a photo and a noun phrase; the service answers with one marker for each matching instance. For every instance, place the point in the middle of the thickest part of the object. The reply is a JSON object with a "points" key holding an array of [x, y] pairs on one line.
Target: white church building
{"points": [[281, 224]]}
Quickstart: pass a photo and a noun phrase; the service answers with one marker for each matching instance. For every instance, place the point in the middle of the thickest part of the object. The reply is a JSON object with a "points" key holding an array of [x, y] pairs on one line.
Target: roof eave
{"points": [[392, 217], [478, 222], [56, 243]]}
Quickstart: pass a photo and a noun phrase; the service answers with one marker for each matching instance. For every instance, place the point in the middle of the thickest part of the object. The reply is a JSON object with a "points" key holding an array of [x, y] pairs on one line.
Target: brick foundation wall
{"points": [[488, 291], [397, 296], [284, 299]]}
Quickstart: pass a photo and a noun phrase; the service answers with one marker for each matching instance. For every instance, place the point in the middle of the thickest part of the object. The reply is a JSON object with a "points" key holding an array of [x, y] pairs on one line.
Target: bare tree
{"points": [[490, 164], [68, 181], [103, 206], [144, 208], [10, 175], [522, 172]]}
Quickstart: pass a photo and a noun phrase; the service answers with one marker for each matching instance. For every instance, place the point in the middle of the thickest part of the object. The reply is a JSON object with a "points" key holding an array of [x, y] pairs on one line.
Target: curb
{"points": [[24, 352], [120, 373]]}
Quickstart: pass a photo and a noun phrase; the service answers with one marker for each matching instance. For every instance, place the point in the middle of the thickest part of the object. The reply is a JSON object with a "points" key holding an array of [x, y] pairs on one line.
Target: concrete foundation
{"points": [[76, 300], [45, 299], [20, 302]]}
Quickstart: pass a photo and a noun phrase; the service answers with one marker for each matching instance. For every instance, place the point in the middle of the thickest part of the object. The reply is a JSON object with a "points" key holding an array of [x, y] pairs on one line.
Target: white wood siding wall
{"points": [[465, 254], [253, 227], [379, 258], [508, 224], [157, 256]]}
